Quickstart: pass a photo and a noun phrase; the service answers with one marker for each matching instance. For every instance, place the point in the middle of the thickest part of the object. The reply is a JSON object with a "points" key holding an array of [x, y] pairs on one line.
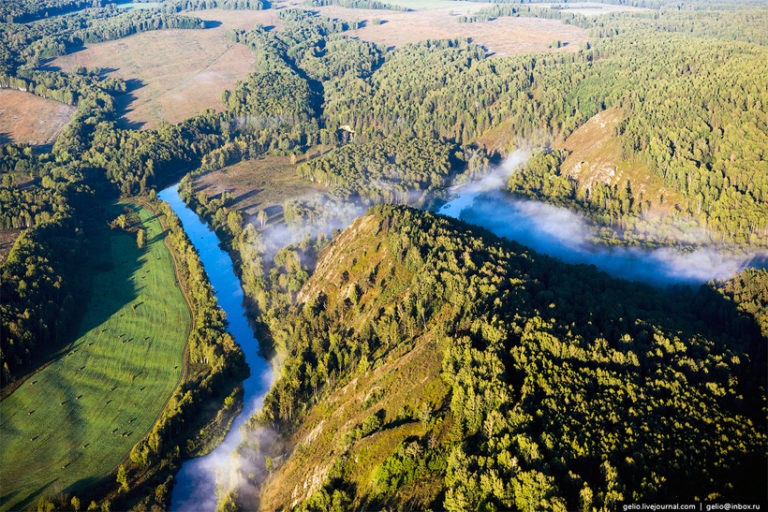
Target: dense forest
{"points": [[532, 384], [382, 171], [537, 409], [697, 147], [38, 287]]}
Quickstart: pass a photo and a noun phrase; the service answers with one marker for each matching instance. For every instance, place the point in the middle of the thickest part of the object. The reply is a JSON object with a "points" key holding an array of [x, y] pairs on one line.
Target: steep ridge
{"points": [[434, 365]]}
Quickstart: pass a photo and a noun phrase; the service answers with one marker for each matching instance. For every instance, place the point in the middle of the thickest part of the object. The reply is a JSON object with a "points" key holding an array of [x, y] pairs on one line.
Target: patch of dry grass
{"points": [[596, 157], [503, 36], [29, 119], [174, 74], [264, 183]]}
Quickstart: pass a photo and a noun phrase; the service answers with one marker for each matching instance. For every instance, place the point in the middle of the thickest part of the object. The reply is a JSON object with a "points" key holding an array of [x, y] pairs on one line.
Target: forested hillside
{"points": [[703, 145], [425, 364], [432, 365]]}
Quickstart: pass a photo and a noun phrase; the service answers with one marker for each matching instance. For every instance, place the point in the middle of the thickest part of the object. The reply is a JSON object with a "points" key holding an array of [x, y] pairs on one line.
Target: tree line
{"points": [[198, 5], [358, 4], [40, 289], [383, 171]]}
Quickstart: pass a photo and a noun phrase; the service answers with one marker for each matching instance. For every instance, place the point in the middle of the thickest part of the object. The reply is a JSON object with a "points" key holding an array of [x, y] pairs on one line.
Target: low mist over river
{"points": [[547, 229], [566, 235], [196, 482]]}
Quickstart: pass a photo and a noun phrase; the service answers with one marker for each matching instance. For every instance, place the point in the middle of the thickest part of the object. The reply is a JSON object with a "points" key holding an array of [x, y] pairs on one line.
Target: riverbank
{"points": [[195, 487]]}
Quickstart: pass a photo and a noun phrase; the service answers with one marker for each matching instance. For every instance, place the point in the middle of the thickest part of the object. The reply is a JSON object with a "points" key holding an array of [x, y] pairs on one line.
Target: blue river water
{"points": [[547, 229], [196, 481], [567, 236]]}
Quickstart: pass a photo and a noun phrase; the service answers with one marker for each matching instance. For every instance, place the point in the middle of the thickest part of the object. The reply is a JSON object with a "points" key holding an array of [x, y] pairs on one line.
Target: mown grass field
{"points": [[76, 419]]}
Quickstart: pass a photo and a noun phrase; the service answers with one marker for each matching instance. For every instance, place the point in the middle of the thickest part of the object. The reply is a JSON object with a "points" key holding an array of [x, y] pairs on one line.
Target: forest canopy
{"points": [[534, 384], [540, 409]]}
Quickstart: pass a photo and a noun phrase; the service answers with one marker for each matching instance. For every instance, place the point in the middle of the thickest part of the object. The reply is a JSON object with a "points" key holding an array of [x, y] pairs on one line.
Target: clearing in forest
{"points": [[173, 74], [7, 238], [29, 119], [73, 421], [263, 183], [596, 157], [440, 20]]}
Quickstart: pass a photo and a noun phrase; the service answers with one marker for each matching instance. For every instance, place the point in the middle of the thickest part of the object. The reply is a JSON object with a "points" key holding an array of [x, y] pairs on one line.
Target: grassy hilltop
{"points": [[433, 365]]}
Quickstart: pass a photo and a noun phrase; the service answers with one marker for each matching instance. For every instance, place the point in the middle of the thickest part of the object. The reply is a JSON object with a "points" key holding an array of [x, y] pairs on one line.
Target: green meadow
{"points": [[74, 421]]}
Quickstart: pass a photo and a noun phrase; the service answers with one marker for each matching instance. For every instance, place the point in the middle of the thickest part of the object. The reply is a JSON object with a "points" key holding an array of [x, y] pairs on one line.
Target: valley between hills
{"points": [[383, 255]]}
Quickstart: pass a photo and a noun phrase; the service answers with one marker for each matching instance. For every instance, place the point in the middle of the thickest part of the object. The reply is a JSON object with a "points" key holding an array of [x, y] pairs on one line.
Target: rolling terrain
{"points": [[419, 362], [433, 365]]}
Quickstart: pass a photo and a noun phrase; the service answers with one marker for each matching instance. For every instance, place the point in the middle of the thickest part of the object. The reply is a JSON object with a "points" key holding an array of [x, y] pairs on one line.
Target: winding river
{"points": [[546, 229], [196, 481], [567, 236]]}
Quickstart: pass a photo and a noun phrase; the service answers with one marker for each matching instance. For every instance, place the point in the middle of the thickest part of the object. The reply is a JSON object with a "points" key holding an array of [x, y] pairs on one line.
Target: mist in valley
{"points": [[568, 236], [240, 463]]}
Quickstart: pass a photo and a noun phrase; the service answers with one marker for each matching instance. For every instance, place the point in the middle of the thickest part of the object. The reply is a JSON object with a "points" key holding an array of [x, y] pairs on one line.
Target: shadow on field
{"points": [[123, 103], [5, 497], [115, 257], [5, 138], [83, 483], [29, 499], [246, 195]]}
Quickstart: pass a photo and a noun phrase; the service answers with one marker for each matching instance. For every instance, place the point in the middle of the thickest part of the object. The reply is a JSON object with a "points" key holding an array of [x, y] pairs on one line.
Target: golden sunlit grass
{"points": [[29, 119], [503, 36], [174, 74], [264, 183], [596, 157]]}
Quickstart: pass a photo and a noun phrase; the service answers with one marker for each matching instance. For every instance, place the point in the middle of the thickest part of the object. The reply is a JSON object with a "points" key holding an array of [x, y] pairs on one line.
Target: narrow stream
{"points": [[195, 489]]}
